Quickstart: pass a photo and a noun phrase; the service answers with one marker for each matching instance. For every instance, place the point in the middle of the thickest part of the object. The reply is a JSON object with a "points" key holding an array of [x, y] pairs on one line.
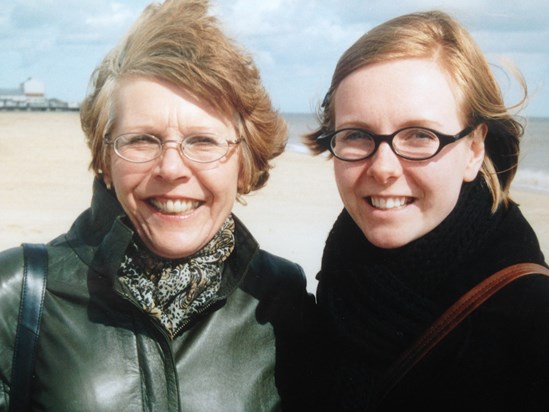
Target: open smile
{"points": [[174, 206], [386, 203]]}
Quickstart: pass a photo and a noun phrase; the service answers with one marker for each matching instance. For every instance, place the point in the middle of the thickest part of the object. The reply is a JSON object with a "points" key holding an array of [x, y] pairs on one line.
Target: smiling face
{"points": [[175, 205], [395, 201]]}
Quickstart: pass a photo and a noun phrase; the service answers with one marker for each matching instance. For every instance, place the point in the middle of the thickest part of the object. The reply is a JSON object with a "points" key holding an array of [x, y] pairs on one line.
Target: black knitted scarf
{"points": [[379, 300]]}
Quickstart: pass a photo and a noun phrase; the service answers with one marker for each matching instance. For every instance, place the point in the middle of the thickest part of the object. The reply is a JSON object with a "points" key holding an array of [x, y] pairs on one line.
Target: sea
{"points": [[533, 170]]}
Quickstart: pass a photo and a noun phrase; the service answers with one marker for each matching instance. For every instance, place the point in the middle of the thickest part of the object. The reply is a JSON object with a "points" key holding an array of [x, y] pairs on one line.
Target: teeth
{"points": [[388, 203], [175, 206]]}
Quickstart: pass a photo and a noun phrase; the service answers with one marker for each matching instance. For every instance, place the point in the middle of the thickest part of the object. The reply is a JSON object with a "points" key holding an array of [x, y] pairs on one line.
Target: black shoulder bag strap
{"points": [[447, 322], [35, 272]]}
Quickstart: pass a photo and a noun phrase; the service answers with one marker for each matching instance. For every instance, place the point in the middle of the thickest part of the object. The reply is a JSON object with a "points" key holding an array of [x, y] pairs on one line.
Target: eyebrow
{"points": [[409, 123]]}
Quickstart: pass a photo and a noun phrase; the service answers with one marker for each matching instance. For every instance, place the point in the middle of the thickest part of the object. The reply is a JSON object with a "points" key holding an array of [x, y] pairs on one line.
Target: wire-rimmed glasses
{"points": [[143, 147]]}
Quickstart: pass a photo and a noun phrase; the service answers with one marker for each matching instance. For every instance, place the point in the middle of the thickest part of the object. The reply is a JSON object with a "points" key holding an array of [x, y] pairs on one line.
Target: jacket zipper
{"points": [[202, 310], [166, 344]]}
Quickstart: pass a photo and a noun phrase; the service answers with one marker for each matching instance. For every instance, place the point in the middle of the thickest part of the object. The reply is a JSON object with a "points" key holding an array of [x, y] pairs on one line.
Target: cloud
{"points": [[296, 43], [73, 21], [293, 42]]}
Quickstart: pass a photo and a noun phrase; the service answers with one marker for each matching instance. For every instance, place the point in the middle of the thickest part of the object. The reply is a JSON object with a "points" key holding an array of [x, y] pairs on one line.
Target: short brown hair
{"points": [[179, 42], [435, 34]]}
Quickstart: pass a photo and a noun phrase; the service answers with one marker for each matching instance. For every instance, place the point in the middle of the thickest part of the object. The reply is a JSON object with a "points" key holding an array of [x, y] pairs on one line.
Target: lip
{"points": [[389, 202], [174, 206]]}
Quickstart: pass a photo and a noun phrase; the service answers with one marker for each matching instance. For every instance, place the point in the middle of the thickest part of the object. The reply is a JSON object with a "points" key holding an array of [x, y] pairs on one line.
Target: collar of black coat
{"points": [[101, 235]]}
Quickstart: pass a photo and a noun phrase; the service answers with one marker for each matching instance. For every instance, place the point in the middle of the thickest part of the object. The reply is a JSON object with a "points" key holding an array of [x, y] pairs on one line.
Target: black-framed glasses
{"points": [[412, 143], [142, 147]]}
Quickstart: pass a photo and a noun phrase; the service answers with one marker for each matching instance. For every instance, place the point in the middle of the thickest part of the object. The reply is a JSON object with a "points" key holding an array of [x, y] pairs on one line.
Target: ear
{"points": [[240, 185], [107, 180], [476, 153], [241, 182]]}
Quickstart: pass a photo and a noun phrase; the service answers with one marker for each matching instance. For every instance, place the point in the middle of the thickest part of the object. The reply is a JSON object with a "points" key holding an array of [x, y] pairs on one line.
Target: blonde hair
{"points": [[177, 41], [436, 35]]}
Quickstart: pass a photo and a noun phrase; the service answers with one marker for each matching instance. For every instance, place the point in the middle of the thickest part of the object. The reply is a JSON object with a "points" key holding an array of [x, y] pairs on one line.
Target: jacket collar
{"points": [[100, 237]]}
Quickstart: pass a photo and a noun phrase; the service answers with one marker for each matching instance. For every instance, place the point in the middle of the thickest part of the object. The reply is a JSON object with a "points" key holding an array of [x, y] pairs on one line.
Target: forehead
{"points": [[141, 102], [400, 91]]}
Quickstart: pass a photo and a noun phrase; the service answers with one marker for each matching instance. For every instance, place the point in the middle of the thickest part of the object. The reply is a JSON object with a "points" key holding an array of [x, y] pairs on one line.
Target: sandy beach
{"points": [[45, 184]]}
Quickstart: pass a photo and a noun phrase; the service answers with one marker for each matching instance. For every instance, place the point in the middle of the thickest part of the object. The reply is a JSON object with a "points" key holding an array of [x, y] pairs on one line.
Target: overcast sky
{"points": [[296, 43]]}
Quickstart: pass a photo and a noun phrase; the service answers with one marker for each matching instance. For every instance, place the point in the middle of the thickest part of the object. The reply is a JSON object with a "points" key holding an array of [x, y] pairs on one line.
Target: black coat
{"points": [[375, 303]]}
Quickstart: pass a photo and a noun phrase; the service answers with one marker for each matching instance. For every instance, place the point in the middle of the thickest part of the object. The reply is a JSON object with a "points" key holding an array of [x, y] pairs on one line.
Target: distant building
{"points": [[33, 88], [31, 96]]}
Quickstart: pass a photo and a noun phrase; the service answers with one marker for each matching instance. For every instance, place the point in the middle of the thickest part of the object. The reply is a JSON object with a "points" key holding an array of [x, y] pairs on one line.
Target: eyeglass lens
{"points": [[413, 143]]}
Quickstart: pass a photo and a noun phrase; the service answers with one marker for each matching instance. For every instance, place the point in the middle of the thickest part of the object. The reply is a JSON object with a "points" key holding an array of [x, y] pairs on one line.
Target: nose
{"points": [[384, 165], [172, 165]]}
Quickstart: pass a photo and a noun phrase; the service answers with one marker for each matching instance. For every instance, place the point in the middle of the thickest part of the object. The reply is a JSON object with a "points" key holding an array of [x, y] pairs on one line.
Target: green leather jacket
{"points": [[98, 351]]}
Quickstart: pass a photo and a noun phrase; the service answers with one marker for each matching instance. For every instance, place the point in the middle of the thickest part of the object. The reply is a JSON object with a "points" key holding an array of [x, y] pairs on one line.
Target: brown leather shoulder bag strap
{"points": [[448, 321]]}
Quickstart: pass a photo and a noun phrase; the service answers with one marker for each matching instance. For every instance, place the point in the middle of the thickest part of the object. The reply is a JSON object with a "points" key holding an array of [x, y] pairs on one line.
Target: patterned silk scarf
{"points": [[174, 290]]}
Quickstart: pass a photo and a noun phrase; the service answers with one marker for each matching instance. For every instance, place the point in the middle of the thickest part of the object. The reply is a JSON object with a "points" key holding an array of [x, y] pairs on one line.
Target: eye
{"points": [[417, 135], [202, 140], [351, 137], [136, 140]]}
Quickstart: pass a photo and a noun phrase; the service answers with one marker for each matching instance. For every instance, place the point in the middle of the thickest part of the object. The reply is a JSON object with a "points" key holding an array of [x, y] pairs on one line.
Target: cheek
{"points": [[440, 189], [118, 178], [222, 184], [227, 190], [346, 176], [125, 179], [122, 171], [116, 169], [446, 176]]}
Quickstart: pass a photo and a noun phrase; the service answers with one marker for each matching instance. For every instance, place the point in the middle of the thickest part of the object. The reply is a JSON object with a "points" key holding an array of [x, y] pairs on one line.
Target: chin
{"points": [[389, 244], [387, 240], [166, 250]]}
